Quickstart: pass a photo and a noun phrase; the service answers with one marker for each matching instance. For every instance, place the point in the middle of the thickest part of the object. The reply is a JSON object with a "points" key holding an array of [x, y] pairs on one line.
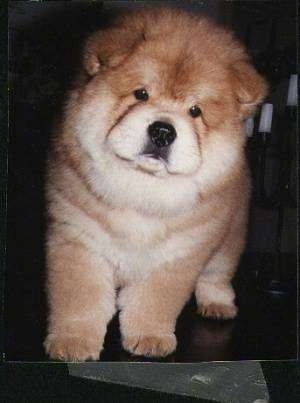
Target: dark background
{"points": [[43, 50]]}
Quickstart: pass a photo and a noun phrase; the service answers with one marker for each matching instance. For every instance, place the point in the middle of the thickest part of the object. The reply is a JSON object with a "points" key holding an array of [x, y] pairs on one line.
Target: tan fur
{"points": [[155, 233]]}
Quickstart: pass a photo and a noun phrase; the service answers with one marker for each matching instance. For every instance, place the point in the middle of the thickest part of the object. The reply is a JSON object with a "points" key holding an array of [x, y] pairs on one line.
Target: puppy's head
{"points": [[163, 105]]}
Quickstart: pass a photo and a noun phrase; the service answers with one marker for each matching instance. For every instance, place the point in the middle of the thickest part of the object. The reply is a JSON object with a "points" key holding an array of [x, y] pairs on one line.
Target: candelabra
{"points": [[277, 144]]}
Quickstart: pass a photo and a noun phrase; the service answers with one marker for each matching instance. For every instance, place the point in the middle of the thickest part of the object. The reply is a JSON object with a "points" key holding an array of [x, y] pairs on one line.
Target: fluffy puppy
{"points": [[147, 183]]}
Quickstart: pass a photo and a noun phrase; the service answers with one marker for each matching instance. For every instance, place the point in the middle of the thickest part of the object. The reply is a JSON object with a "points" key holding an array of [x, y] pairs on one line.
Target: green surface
{"points": [[233, 382], [51, 383]]}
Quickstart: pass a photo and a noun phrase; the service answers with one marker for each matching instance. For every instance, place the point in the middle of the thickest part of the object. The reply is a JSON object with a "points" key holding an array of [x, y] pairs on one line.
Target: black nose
{"points": [[162, 134]]}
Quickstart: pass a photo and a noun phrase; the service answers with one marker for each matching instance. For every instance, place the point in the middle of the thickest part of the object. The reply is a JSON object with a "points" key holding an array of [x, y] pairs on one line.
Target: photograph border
{"points": [[40, 380]]}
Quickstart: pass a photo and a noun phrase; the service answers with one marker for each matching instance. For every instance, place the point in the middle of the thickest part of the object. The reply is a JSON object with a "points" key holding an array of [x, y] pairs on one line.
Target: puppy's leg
{"points": [[149, 309], [81, 300], [214, 292]]}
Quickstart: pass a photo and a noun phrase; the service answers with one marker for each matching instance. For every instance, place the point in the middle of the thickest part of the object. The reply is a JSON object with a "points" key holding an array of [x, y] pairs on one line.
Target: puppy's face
{"points": [[163, 111]]}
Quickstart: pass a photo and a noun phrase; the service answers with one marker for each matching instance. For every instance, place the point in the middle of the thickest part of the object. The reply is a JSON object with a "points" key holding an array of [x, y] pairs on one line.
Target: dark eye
{"points": [[141, 94], [195, 111]]}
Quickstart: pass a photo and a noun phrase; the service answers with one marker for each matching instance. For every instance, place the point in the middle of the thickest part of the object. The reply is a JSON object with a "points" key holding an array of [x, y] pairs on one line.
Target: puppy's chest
{"points": [[141, 244], [130, 229], [133, 242]]}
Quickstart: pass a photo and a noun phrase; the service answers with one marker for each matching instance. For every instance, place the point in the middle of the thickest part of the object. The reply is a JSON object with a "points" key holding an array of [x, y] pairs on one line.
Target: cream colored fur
{"points": [[132, 233]]}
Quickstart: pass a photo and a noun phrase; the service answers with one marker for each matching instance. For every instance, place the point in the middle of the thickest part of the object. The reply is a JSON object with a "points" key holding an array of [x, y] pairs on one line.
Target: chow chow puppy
{"points": [[147, 183]]}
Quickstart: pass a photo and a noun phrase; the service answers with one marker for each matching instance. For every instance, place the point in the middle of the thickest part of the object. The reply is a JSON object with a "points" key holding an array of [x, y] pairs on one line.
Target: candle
{"points": [[266, 114], [249, 126], [292, 98]]}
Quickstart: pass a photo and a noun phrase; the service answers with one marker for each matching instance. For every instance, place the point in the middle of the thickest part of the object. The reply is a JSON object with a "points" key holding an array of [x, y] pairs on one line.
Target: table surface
{"points": [[265, 329]]}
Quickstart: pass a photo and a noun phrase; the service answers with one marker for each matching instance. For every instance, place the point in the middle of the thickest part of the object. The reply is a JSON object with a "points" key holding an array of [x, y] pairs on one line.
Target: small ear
{"points": [[108, 48], [250, 88]]}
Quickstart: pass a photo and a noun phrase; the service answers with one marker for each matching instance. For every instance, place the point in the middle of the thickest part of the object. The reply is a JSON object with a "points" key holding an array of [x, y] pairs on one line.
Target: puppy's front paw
{"points": [[72, 348], [150, 346], [218, 311]]}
